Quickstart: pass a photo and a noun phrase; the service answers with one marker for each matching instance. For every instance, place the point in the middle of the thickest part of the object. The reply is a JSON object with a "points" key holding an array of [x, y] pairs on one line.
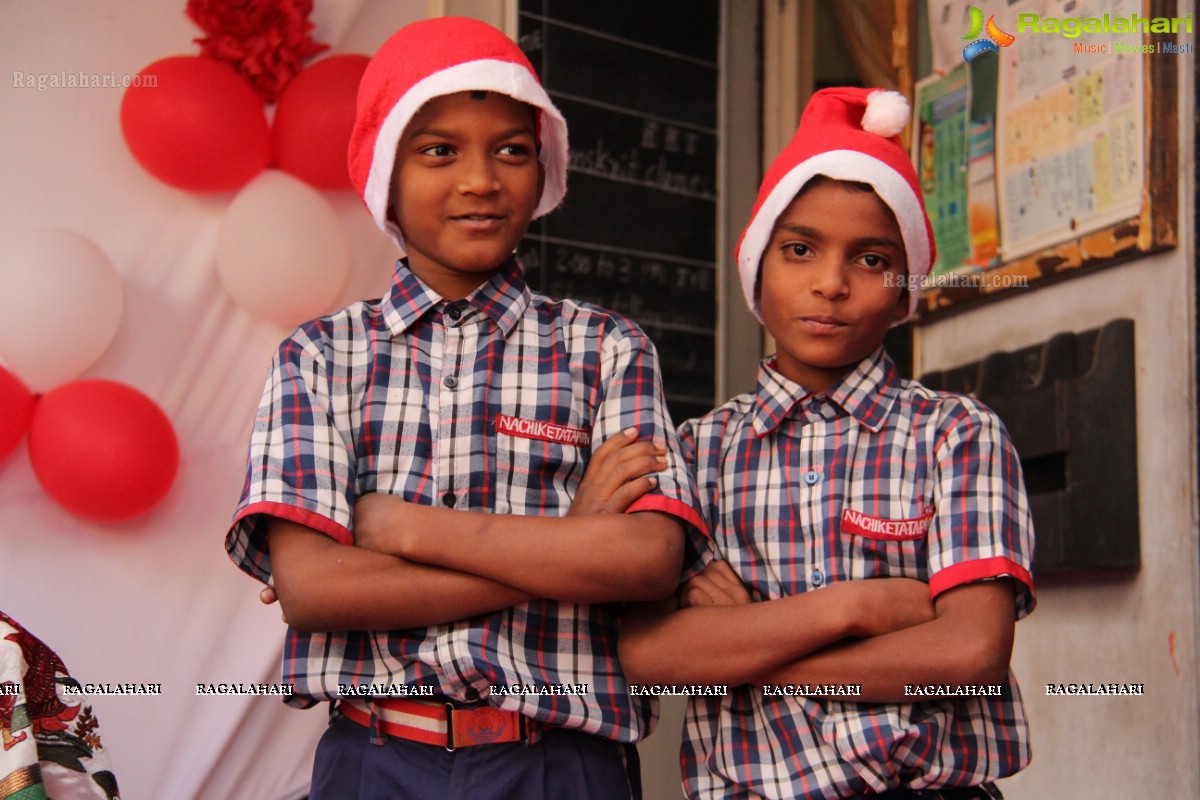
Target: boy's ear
{"points": [[541, 186], [391, 214], [902, 300]]}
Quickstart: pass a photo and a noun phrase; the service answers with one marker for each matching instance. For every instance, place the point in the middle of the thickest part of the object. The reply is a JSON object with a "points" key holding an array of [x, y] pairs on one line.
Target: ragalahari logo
{"points": [[995, 36]]}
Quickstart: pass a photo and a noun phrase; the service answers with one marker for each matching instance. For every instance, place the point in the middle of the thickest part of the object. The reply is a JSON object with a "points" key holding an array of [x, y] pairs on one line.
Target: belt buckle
{"points": [[483, 725]]}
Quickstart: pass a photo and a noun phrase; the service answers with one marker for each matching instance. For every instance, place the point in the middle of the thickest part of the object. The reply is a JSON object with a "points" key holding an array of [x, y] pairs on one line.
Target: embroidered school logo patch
{"points": [[898, 530], [545, 431]]}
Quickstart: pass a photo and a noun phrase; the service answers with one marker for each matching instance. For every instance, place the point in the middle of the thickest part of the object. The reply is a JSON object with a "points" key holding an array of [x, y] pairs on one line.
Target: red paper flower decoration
{"points": [[266, 41]]}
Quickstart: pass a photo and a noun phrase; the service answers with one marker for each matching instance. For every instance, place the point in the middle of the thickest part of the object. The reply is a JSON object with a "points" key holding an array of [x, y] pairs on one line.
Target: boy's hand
{"points": [[717, 585], [618, 474], [267, 596], [883, 605]]}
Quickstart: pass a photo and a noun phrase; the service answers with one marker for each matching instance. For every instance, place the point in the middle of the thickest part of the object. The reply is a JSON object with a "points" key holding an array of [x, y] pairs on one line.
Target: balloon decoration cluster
{"points": [[198, 123], [101, 449]]}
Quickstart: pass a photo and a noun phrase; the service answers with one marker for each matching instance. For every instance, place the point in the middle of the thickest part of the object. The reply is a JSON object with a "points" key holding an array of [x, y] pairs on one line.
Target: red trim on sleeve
{"points": [[978, 570], [298, 515], [669, 505]]}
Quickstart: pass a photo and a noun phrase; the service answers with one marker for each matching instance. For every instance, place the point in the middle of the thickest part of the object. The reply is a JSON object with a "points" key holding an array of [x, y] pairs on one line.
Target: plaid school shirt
{"points": [[493, 403], [877, 477]]}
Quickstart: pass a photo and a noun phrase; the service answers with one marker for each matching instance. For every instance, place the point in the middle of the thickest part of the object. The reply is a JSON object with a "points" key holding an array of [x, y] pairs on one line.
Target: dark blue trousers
{"points": [[563, 765]]}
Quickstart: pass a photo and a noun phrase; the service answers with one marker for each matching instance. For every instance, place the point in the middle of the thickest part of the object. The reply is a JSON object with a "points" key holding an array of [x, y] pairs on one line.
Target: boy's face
{"points": [[832, 281], [464, 187]]}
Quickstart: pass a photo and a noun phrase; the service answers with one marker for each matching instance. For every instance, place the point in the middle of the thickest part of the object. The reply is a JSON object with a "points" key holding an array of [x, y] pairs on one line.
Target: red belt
{"points": [[439, 724]]}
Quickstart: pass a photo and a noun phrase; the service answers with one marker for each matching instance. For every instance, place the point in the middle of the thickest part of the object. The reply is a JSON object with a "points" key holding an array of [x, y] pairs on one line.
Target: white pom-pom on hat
{"points": [[887, 113]]}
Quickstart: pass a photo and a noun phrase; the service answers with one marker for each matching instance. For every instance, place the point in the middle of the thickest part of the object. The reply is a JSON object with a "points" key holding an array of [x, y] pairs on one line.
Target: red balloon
{"points": [[313, 120], [16, 409], [102, 450], [195, 124]]}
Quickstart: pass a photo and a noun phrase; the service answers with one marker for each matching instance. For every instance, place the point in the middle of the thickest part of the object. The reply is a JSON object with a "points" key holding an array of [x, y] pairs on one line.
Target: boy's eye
{"points": [[797, 249], [515, 150], [873, 261], [437, 150]]}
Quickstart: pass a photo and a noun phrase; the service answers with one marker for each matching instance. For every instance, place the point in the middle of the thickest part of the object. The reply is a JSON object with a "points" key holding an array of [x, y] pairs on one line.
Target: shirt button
{"points": [[448, 499], [450, 382], [455, 312], [472, 693], [812, 477], [817, 577]]}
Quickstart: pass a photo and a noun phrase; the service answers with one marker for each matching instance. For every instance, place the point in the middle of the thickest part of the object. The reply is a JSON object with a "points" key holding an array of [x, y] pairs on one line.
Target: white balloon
{"points": [[282, 254], [60, 304]]}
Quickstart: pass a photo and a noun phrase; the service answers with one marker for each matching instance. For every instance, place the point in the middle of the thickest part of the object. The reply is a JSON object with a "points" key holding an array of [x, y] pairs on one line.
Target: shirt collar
{"points": [[503, 298], [867, 393]]}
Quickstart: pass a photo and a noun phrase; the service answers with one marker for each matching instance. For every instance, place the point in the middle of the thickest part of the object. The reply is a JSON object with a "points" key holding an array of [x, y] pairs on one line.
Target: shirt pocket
{"points": [[886, 538], [540, 464]]}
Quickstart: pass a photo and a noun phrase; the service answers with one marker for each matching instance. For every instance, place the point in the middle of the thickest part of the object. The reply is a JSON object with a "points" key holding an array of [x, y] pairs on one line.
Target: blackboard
{"points": [[637, 232]]}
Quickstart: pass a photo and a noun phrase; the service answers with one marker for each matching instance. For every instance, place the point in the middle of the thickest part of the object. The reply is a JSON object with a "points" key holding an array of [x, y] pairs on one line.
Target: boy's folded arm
{"points": [[735, 644], [323, 585], [968, 643], [594, 558], [591, 558], [724, 645]]}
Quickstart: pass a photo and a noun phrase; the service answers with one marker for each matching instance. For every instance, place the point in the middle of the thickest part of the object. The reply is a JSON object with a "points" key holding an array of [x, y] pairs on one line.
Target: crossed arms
{"points": [[416, 565], [713, 634], [881, 634]]}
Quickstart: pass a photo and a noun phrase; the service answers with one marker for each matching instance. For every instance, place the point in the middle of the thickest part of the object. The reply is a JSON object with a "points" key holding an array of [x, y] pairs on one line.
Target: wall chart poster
{"points": [[942, 155], [1070, 124]]}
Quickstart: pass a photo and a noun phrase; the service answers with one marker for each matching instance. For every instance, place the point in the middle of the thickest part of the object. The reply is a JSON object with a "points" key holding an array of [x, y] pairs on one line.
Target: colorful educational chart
{"points": [[1069, 127], [941, 156], [982, 214]]}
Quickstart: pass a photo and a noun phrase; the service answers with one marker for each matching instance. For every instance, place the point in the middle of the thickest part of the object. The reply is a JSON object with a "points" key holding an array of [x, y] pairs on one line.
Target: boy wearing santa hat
{"points": [[834, 470], [414, 459]]}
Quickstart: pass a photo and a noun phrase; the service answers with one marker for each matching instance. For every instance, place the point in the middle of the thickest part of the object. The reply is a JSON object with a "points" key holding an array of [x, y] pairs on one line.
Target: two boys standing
{"points": [[453, 489]]}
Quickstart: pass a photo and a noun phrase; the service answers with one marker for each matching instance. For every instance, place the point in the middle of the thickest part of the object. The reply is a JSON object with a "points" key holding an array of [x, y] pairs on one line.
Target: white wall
{"points": [[1094, 629]]}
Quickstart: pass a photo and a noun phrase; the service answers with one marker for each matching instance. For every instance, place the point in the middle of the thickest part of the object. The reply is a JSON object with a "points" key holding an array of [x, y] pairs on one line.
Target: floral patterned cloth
{"points": [[51, 739]]}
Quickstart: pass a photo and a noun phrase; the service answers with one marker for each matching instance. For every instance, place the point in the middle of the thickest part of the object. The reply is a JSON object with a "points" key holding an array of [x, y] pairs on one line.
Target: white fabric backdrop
{"points": [[157, 600]]}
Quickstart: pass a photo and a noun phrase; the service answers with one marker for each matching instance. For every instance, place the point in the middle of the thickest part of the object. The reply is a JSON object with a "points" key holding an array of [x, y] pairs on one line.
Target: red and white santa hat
{"points": [[436, 57], [847, 134]]}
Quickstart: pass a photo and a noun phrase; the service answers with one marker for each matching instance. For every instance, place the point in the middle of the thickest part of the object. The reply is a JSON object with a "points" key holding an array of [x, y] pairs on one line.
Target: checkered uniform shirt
{"points": [[493, 403], [877, 477]]}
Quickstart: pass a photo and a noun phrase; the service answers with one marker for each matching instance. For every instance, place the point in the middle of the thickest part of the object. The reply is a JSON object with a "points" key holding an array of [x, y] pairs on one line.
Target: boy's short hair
{"points": [[818, 180], [432, 58], [851, 135]]}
